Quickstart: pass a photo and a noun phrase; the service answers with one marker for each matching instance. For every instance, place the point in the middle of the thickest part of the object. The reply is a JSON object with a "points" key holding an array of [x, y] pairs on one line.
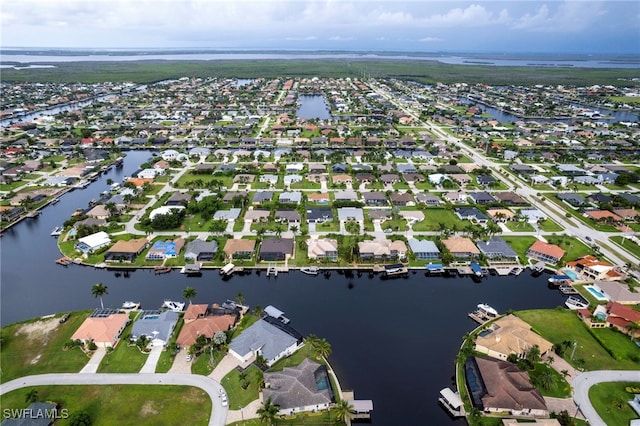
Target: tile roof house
{"points": [[497, 249], [103, 327], [510, 335], [549, 253], [621, 317], [266, 339], [318, 198], [228, 215], [591, 268], [500, 386], [239, 248], [461, 247], [206, 326], [322, 248], [276, 249], [126, 251], [305, 387], [456, 197], [424, 249], [381, 248], [201, 250], [500, 215], [155, 325]]}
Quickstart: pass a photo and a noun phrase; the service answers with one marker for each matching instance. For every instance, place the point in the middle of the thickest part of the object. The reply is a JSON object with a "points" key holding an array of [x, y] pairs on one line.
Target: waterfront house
{"points": [[126, 251], [103, 327], [195, 311], [93, 242], [461, 247], [424, 249], [497, 386], [276, 249], [304, 387], [510, 335], [549, 253], [497, 249], [591, 268], [382, 249], [269, 338], [99, 211], [199, 250], [239, 249], [155, 325], [322, 248], [618, 292], [165, 249], [205, 325]]}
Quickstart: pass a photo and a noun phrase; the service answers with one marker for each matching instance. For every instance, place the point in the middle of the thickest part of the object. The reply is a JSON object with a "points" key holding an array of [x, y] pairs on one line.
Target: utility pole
{"points": [[575, 344]]}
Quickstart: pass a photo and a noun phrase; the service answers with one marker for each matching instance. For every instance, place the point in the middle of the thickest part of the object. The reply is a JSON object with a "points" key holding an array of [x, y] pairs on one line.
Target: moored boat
{"points": [[173, 306], [130, 305], [312, 270], [575, 303]]}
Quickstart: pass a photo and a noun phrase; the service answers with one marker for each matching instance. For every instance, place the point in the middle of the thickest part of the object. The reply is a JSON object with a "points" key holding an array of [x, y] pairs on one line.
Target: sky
{"points": [[583, 27]]}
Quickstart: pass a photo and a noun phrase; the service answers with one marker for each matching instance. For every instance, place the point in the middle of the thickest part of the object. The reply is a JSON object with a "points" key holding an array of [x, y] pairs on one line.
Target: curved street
{"points": [[583, 382], [218, 416]]}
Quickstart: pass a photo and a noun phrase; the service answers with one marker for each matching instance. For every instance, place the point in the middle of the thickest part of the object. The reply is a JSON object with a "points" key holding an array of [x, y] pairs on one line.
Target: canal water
{"points": [[313, 106], [393, 341]]}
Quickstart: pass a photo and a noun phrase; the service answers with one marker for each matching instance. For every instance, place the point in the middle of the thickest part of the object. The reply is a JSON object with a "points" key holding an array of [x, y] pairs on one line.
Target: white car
{"points": [[224, 400], [188, 358]]}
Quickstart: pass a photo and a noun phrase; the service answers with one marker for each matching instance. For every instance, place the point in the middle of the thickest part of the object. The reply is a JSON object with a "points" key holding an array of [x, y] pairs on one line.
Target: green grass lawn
{"points": [[627, 245], [124, 404], [125, 358], [520, 244], [202, 364], [316, 419], [433, 217], [560, 388], [574, 247], [305, 184], [240, 396], [549, 226], [610, 401], [333, 226], [395, 225], [558, 325], [520, 226], [25, 352], [168, 355]]}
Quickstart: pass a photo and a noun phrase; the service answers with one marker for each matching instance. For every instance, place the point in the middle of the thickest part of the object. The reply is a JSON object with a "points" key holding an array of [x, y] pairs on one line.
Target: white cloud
{"points": [[340, 38], [307, 38], [569, 16], [430, 39]]}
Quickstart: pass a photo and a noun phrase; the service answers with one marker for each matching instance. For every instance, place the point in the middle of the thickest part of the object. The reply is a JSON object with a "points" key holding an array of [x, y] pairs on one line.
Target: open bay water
{"points": [[393, 341]]}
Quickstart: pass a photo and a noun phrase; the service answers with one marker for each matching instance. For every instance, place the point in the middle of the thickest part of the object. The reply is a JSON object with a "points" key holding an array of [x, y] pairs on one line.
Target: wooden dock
{"points": [[479, 317], [272, 270], [64, 261]]}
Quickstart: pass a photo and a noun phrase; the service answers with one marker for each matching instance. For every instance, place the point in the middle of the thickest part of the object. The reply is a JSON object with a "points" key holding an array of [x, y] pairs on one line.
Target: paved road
{"points": [[584, 381], [218, 412]]}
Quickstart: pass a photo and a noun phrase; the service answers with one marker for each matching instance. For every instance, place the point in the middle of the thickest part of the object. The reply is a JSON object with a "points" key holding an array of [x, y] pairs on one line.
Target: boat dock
{"points": [[483, 314], [272, 270], [567, 289], [452, 402], [64, 261]]}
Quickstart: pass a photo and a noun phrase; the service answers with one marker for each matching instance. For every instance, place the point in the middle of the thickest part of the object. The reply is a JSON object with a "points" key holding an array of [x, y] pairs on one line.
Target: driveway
{"points": [[152, 360], [583, 382], [94, 362], [218, 415], [228, 363], [180, 364]]}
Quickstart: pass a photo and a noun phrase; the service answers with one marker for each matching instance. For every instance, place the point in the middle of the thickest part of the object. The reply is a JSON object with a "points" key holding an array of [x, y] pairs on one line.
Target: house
{"points": [[461, 247], [406, 168], [500, 386], [103, 327], [549, 253], [456, 197], [269, 178], [382, 249], [179, 199], [533, 215], [339, 168], [99, 212], [497, 249], [599, 198], [287, 216], [618, 292], [430, 200], [340, 179], [294, 197], [510, 335], [571, 198], [461, 179], [620, 316], [424, 249], [126, 251], [305, 387], [155, 325], [345, 196], [276, 249], [267, 339], [239, 248], [591, 268], [318, 198], [319, 214], [93, 242], [227, 215], [602, 215], [165, 249], [389, 178], [346, 214], [322, 248], [149, 173], [402, 199], [471, 214], [482, 197], [199, 250], [257, 215], [374, 198], [500, 215], [243, 178], [522, 169], [261, 197], [195, 311], [204, 325], [485, 180]]}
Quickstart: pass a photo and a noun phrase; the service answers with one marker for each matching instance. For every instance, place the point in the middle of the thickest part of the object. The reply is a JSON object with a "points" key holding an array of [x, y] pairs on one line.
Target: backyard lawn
{"points": [[124, 404], [558, 325], [241, 391], [520, 245], [610, 401], [434, 218], [37, 347]]}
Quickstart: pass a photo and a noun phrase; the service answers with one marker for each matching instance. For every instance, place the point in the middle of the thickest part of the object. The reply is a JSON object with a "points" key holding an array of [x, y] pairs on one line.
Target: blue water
{"points": [[313, 106], [596, 293], [570, 274], [322, 383]]}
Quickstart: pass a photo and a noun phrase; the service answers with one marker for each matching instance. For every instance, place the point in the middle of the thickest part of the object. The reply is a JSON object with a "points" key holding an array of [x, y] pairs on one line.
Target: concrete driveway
{"points": [[152, 360], [218, 415], [583, 382], [180, 364], [94, 362]]}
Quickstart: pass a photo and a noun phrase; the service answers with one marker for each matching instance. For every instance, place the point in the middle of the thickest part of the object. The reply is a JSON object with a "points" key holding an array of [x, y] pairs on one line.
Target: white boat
{"points": [[227, 269], [312, 270], [57, 231], [575, 303], [487, 310], [173, 306], [130, 305]]}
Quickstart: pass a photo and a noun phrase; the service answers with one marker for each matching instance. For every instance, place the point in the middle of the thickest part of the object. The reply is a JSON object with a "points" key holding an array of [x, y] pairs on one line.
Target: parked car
{"points": [[188, 358], [224, 400], [64, 318]]}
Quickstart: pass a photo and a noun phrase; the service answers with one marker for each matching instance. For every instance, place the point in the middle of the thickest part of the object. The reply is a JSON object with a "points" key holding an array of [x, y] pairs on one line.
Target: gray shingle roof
{"points": [[261, 335], [158, 326], [299, 386]]}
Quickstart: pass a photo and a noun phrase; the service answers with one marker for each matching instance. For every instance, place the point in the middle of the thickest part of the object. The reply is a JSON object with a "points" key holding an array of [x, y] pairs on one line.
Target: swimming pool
{"points": [[595, 293], [570, 274]]}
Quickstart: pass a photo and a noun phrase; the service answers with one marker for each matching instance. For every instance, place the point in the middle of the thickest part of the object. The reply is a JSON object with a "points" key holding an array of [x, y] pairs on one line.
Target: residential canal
{"points": [[393, 341], [313, 106]]}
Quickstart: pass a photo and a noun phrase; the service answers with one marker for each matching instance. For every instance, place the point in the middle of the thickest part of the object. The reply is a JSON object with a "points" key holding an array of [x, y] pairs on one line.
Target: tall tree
{"points": [[99, 290], [268, 413], [343, 410], [189, 293]]}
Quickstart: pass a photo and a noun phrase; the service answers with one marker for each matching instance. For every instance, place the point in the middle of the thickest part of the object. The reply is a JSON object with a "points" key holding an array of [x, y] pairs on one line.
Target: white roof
{"points": [[452, 398], [96, 240], [272, 311], [163, 210]]}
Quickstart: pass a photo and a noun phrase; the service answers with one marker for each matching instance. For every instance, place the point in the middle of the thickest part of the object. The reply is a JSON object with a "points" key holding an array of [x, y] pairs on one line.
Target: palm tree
{"points": [[99, 290], [268, 413], [240, 298], [633, 327], [343, 410], [322, 348], [547, 379], [189, 293]]}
